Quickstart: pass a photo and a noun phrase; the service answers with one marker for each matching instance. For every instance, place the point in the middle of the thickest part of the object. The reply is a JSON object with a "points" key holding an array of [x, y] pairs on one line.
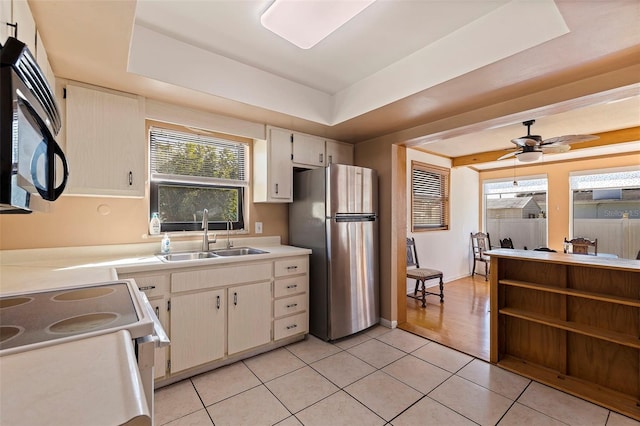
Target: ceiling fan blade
{"points": [[555, 149], [511, 154], [566, 139], [525, 141]]}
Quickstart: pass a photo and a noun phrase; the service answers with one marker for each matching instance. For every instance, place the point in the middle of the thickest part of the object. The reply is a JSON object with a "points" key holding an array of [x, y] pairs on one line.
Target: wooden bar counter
{"points": [[570, 321]]}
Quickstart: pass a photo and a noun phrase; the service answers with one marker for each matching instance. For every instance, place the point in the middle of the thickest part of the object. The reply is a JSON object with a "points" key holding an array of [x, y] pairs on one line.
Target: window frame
{"points": [[444, 199], [158, 180]]}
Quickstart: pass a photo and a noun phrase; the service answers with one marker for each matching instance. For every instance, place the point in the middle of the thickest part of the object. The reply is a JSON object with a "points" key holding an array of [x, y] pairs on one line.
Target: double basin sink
{"points": [[198, 255]]}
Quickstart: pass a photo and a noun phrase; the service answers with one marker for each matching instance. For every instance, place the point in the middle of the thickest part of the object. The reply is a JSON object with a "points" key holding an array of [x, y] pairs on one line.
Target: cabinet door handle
{"points": [[235, 298], [321, 156], [292, 326], [158, 311], [331, 159], [276, 188], [292, 305], [218, 302], [292, 268], [290, 286], [130, 178], [147, 287]]}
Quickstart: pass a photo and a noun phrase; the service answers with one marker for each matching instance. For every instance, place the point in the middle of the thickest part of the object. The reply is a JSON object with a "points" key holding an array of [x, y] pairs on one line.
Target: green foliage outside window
{"points": [[190, 173]]}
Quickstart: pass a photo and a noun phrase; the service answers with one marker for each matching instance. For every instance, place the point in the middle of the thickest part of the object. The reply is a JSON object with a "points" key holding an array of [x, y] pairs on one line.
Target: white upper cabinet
{"points": [[5, 18], [339, 152], [272, 168], [26, 26], [308, 150], [105, 142]]}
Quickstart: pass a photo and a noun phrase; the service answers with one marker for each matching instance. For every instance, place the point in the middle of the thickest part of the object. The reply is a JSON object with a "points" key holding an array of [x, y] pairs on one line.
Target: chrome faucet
{"points": [[205, 226], [229, 227]]}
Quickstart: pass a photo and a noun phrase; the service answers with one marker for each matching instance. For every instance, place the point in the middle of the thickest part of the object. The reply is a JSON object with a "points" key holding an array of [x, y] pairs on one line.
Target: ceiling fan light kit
{"points": [[529, 156], [531, 147]]}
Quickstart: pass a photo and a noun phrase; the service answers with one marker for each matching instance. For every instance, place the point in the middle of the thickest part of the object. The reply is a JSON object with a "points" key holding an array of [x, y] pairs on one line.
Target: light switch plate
{"points": [[258, 227]]}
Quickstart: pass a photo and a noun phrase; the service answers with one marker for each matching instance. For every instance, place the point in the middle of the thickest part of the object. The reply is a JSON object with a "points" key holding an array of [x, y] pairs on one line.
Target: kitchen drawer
{"points": [[290, 305], [151, 285], [293, 266], [221, 276], [289, 286], [289, 326]]}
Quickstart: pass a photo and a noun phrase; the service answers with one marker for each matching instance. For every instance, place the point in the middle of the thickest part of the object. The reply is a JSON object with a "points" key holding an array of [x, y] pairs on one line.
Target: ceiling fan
{"points": [[531, 147]]}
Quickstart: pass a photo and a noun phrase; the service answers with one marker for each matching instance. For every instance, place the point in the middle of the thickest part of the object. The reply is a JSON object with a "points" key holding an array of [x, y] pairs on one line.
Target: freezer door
{"points": [[353, 275], [351, 189]]}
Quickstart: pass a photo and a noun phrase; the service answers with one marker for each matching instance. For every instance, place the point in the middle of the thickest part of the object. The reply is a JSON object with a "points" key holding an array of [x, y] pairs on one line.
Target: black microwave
{"points": [[32, 164]]}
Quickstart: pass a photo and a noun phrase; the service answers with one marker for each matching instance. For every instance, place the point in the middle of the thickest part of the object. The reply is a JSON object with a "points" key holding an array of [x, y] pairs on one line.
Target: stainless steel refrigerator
{"points": [[335, 214]]}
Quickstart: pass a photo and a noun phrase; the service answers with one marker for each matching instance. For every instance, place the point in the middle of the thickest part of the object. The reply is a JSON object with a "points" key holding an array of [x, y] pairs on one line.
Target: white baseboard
{"points": [[389, 324]]}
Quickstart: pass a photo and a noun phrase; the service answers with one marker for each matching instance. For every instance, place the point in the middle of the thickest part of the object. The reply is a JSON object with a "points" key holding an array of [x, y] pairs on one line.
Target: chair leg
{"points": [[441, 290], [486, 271], [473, 271], [415, 290], [424, 294]]}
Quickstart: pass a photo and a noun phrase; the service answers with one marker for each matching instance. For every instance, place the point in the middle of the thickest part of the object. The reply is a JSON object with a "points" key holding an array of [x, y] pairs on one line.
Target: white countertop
{"points": [[44, 269], [84, 382]]}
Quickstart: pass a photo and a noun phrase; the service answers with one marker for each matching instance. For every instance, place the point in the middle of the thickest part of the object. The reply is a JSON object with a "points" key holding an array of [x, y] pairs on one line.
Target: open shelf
{"points": [[571, 322], [571, 292], [598, 333], [610, 399]]}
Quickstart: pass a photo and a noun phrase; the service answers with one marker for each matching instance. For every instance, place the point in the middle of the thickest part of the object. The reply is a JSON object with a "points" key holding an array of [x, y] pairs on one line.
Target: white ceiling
{"points": [[456, 76]]}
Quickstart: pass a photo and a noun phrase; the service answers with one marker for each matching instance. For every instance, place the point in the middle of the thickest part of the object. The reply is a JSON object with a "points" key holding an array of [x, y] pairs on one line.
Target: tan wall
{"points": [[558, 187], [388, 161], [76, 221]]}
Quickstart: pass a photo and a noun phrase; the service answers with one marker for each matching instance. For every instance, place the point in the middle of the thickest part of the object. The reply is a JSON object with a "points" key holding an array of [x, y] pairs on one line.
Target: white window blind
{"points": [[430, 197], [186, 157]]}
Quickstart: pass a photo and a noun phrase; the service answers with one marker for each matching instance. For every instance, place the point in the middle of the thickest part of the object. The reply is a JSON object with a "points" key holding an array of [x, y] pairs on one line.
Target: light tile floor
{"points": [[377, 377]]}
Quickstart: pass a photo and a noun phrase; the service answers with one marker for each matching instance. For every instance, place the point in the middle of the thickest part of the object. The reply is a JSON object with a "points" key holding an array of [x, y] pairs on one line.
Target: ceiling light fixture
{"points": [[306, 22], [529, 156]]}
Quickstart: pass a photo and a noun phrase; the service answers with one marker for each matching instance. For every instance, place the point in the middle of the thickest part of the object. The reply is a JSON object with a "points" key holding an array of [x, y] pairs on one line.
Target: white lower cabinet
{"points": [[249, 316], [216, 313], [197, 328]]}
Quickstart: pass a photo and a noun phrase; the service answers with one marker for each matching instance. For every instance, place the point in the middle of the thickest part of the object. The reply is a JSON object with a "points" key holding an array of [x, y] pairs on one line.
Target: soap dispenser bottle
{"points": [[154, 224], [166, 244]]}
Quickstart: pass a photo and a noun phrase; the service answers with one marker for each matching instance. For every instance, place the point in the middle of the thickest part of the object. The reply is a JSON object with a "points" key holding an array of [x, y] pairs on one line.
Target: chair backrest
{"points": [[480, 243], [581, 245], [412, 254], [506, 243]]}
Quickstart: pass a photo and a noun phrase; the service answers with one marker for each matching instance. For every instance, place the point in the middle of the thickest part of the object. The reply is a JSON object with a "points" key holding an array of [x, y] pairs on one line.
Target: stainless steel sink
{"points": [[238, 251], [176, 257], [198, 255]]}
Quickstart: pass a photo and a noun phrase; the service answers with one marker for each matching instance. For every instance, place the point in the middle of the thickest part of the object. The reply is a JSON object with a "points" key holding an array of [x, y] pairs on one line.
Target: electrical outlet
{"points": [[258, 227]]}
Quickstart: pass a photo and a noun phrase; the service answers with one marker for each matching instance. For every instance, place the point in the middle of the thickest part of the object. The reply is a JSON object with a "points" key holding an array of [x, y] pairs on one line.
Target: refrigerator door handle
{"points": [[356, 218]]}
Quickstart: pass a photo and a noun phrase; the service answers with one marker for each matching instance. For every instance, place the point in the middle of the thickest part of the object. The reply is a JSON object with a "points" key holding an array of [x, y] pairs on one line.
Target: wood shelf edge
{"points": [[608, 398], [609, 336], [572, 292]]}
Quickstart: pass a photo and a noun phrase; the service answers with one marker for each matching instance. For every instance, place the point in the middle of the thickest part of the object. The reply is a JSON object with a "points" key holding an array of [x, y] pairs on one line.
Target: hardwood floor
{"points": [[461, 322]]}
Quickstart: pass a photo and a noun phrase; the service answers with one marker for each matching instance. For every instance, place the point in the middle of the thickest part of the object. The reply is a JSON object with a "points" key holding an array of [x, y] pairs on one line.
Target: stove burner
{"points": [[14, 301], [82, 294], [83, 323]]}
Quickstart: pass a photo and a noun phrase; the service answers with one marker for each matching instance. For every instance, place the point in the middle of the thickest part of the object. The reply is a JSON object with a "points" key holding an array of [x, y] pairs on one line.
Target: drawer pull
{"points": [[292, 268], [218, 302], [290, 286], [148, 287], [292, 326], [292, 305]]}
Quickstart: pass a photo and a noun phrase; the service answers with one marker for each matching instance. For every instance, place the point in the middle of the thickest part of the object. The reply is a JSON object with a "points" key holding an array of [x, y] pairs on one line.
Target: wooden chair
{"points": [[581, 245], [480, 243], [506, 243], [421, 275]]}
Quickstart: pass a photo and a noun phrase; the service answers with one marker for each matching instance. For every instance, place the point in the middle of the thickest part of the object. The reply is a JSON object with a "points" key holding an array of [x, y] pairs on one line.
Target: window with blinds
{"points": [[191, 172], [429, 197]]}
